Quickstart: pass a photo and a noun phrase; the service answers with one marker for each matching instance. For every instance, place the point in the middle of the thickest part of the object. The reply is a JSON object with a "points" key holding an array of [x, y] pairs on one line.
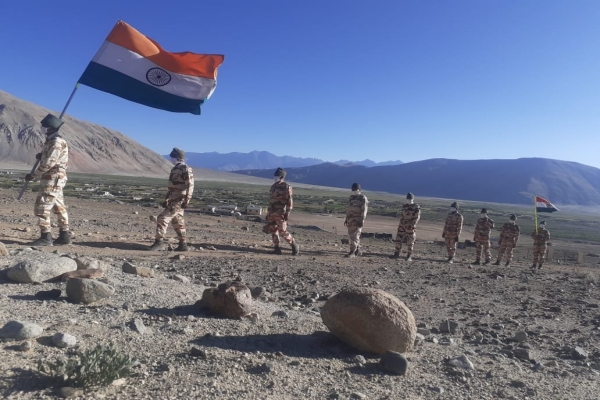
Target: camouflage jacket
{"points": [[509, 234], [53, 164], [453, 225], [483, 228], [358, 206], [181, 184], [280, 198], [409, 217], [541, 237]]}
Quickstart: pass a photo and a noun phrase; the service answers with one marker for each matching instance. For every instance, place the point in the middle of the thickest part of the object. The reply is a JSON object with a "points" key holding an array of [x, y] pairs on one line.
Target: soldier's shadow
{"points": [[226, 247], [8, 241], [112, 245]]}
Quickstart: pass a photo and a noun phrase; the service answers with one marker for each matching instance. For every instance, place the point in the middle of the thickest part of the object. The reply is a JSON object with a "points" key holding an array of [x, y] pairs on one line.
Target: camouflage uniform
{"points": [[482, 238], [358, 205], [452, 230], [539, 245], [53, 171], [181, 188], [508, 241], [280, 205], [409, 217]]}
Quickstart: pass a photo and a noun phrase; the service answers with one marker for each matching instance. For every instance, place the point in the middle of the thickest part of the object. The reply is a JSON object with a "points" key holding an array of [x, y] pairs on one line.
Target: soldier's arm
{"points": [[290, 202], [418, 215], [190, 185], [48, 161], [365, 209], [460, 225]]}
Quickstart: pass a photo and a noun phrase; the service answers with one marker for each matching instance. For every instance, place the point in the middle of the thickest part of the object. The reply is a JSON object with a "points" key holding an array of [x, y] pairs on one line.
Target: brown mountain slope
{"points": [[92, 148]]}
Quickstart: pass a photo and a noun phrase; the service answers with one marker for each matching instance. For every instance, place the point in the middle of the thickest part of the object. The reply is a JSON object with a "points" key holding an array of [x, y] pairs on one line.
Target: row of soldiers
{"points": [[53, 162], [411, 214]]}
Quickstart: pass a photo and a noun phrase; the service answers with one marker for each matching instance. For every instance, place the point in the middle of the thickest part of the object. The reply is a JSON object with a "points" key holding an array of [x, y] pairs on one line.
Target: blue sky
{"points": [[337, 79]]}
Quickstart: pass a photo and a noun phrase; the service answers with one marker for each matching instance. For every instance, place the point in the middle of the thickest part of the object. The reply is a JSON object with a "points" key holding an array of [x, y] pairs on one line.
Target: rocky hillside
{"points": [[500, 181], [93, 148]]}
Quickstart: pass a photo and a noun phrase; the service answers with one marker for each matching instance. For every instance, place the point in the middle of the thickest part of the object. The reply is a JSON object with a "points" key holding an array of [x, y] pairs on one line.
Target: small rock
{"points": [[358, 395], [359, 360], [3, 251], [521, 353], [419, 339], [181, 278], [138, 326], [461, 362], [280, 314], [25, 346], [129, 268], [424, 331], [68, 392], [179, 257], [394, 362], [579, 354], [20, 330], [253, 317], [63, 340], [437, 389], [198, 352], [152, 218], [520, 336]]}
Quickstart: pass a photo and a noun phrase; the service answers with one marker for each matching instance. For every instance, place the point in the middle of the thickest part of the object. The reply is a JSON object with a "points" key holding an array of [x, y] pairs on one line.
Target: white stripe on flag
{"points": [[132, 64]]}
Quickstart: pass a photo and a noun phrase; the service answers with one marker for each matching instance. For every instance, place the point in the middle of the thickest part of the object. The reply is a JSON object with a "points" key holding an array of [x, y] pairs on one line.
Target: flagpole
{"points": [[535, 213], [37, 162]]}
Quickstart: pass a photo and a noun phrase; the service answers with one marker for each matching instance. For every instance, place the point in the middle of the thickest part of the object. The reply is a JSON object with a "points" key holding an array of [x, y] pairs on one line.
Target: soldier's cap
{"points": [[177, 153], [280, 172], [512, 217], [484, 210], [410, 196], [355, 186], [455, 205], [50, 121]]}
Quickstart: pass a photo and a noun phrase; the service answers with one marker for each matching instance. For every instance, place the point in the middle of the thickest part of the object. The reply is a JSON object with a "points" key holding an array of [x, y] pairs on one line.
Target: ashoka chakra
{"points": [[158, 76]]}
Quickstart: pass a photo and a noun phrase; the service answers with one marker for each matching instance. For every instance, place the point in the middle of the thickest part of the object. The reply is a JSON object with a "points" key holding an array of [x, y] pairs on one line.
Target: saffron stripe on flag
{"points": [[543, 205], [203, 65], [108, 80]]}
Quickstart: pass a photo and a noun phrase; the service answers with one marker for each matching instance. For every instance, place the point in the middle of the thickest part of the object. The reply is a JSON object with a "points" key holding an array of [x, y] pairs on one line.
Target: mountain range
{"points": [[262, 160], [500, 181]]}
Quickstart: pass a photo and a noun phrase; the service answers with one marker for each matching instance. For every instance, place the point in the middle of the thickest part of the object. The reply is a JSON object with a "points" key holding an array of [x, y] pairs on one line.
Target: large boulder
{"points": [[370, 320], [20, 330], [87, 291], [39, 266], [229, 299]]}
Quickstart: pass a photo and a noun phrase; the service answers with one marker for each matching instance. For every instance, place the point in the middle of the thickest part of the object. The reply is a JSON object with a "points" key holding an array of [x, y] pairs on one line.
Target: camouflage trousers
{"points": [[451, 245], [174, 215], [278, 228], [539, 254], [354, 231], [482, 247], [505, 248], [410, 241], [47, 202]]}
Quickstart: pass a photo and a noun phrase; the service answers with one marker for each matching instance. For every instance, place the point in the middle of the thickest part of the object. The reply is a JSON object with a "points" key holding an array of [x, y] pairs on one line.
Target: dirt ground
{"points": [[296, 357]]}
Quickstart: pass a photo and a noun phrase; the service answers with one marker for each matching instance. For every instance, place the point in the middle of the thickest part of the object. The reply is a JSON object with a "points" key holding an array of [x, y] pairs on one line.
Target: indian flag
{"points": [[543, 205], [135, 67]]}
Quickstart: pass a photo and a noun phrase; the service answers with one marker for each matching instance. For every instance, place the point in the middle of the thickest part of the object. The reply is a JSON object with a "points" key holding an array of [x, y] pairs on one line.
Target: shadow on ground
{"points": [[27, 381], [113, 245], [319, 344]]}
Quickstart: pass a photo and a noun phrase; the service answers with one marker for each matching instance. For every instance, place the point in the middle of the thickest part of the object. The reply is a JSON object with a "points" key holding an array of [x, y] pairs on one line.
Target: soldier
{"points": [[452, 230], [53, 171], [355, 219], [508, 239], [540, 240], [482, 237], [409, 217], [181, 188], [280, 205]]}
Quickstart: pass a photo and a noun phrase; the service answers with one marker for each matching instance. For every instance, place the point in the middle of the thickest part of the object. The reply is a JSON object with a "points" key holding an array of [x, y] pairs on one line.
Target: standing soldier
{"points": [[181, 188], [409, 217], [482, 237], [280, 205], [540, 245], [355, 219], [508, 240], [53, 171], [452, 230]]}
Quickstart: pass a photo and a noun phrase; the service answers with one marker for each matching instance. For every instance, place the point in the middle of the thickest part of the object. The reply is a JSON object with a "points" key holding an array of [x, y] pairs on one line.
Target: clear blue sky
{"points": [[337, 79]]}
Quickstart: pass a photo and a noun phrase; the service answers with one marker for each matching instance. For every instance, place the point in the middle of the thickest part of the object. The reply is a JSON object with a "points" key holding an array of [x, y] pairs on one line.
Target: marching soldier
{"points": [[181, 188], [53, 171], [409, 217], [482, 237], [278, 213], [540, 245], [355, 219], [452, 230], [509, 236]]}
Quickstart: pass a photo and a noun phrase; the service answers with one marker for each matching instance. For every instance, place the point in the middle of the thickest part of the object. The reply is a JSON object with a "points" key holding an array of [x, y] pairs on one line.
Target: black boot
{"points": [[450, 259], [497, 262], [63, 238], [276, 250], [409, 257], [182, 247], [295, 248], [487, 262], [44, 240], [358, 252], [507, 264], [352, 254], [477, 262], [159, 245], [396, 254]]}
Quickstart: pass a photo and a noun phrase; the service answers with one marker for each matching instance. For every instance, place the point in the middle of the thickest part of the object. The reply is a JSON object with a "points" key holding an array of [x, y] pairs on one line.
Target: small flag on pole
{"points": [[543, 205], [134, 67]]}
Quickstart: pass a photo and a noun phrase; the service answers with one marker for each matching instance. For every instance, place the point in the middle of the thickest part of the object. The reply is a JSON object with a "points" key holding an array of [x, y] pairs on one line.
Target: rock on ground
{"points": [[394, 362], [34, 266], [370, 320], [82, 273], [3, 251], [63, 340], [88, 290], [129, 268], [229, 299], [19, 330]]}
